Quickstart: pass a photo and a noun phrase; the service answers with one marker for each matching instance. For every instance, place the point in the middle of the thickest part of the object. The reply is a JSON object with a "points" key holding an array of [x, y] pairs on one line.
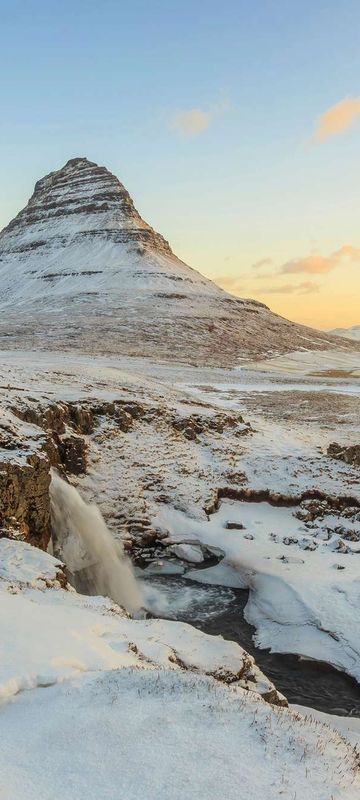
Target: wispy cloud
{"points": [[337, 118], [194, 121], [190, 123], [264, 262], [307, 287], [318, 264]]}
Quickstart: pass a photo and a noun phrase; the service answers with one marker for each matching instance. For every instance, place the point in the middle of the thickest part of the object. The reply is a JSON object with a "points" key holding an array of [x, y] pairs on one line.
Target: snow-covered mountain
{"points": [[80, 269], [347, 333]]}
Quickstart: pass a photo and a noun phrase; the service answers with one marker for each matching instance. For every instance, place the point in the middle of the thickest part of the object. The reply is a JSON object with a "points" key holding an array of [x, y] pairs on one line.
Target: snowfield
{"points": [[109, 711], [140, 734]]}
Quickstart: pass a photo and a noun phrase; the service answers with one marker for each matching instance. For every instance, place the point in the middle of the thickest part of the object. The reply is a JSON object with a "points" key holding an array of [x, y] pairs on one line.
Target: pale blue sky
{"points": [[106, 80]]}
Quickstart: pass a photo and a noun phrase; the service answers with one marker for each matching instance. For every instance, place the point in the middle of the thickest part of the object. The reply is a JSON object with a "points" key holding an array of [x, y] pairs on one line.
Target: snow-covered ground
{"points": [[95, 704], [303, 590], [50, 634], [349, 727], [96, 639], [304, 580], [157, 734], [276, 420]]}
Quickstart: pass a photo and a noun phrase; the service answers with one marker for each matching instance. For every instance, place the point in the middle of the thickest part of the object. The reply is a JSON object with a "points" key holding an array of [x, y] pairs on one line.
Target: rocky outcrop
{"points": [[62, 423], [194, 425], [61, 442], [66, 425], [313, 502], [72, 454], [350, 454], [56, 416], [24, 500]]}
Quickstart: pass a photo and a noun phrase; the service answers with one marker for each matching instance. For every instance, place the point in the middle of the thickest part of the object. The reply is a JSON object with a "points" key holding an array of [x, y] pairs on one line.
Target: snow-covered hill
{"points": [[80, 269], [348, 333]]}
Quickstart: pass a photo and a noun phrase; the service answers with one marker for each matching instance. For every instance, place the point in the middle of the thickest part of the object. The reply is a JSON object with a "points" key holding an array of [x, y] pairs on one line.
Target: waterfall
{"points": [[94, 559]]}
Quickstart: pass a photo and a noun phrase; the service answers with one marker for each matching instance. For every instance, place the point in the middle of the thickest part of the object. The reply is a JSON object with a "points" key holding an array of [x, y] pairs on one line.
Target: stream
{"points": [[218, 610]]}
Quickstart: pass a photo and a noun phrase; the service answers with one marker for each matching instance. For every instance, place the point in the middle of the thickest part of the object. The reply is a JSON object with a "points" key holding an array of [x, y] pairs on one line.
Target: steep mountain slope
{"points": [[80, 269]]}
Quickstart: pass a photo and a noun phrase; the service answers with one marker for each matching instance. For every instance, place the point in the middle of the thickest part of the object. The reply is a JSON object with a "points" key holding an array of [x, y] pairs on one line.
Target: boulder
{"points": [[187, 552]]}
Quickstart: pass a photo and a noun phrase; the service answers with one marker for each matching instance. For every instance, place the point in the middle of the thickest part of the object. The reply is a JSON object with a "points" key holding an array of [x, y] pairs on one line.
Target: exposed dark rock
{"points": [[24, 499], [196, 424], [312, 509], [8, 437], [72, 452], [235, 476], [275, 698], [18, 531], [350, 454], [136, 410], [234, 526], [123, 419], [51, 417], [325, 503], [82, 418]]}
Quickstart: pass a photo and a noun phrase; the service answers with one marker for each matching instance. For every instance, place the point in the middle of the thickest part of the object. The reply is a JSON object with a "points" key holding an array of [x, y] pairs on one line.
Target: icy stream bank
{"points": [[219, 610], [302, 571]]}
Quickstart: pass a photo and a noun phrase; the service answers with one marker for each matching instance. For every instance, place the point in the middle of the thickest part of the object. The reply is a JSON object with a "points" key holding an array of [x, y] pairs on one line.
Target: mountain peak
{"points": [[71, 165], [79, 160], [81, 269], [79, 199]]}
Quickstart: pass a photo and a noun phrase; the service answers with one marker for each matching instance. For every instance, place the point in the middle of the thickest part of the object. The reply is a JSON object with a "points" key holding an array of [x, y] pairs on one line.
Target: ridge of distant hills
{"points": [[348, 333]]}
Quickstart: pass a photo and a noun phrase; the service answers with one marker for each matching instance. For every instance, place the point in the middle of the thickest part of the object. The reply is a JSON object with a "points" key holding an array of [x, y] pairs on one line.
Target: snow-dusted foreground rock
{"points": [[116, 707]]}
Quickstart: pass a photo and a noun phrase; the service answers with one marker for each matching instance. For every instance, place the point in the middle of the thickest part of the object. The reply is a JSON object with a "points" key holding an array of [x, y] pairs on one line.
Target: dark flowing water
{"points": [[219, 610]]}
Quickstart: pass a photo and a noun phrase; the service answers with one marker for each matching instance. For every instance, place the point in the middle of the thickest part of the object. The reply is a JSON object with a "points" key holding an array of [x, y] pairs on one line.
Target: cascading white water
{"points": [[82, 540]]}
